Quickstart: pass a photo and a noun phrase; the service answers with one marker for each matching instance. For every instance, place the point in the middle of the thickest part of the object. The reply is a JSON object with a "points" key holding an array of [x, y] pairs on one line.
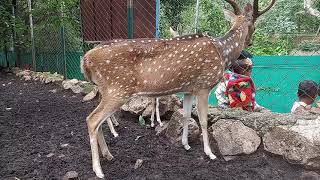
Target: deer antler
{"points": [[235, 7], [256, 12]]}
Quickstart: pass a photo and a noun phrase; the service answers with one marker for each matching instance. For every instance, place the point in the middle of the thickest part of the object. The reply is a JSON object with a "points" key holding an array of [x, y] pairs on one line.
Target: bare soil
{"points": [[43, 135]]}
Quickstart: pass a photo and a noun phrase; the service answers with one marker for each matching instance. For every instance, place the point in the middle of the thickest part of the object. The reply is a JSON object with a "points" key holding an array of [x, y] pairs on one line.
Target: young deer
{"points": [[191, 64]]}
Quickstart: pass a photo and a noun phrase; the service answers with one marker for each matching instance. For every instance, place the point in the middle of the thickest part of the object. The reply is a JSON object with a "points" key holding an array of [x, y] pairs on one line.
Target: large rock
{"points": [[299, 143], [137, 105], [143, 105], [261, 122], [175, 128], [234, 138], [67, 84]]}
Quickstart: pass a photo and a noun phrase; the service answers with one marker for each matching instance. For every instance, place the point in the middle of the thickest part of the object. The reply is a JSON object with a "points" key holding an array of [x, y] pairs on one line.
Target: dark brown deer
{"points": [[191, 64]]}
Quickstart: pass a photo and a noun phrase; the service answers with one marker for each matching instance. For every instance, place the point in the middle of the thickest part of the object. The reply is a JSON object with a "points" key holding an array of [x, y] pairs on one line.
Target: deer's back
{"points": [[149, 66]]}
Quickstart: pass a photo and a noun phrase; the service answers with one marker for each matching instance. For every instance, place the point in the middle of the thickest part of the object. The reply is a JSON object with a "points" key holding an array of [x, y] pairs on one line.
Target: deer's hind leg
{"points": [[105, 109]]}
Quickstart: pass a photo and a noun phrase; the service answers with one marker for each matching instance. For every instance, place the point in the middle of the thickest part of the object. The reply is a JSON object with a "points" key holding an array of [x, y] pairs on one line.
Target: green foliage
{"points": [[5, 24], [309, 46], [265, 45]]}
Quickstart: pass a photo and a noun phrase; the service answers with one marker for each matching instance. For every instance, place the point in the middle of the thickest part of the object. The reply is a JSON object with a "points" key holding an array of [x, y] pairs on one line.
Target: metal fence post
{"points": [[130, 18], [157, 18], [32, 37], [63, 46], [197, 17]]}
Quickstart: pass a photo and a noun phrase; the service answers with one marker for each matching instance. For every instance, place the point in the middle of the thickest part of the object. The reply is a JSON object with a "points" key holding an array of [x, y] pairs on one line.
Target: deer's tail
{"points": [[85, 70]]}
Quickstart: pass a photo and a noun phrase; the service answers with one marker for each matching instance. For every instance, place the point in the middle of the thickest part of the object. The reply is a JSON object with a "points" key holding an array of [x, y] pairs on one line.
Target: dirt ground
{"points": [[43, 135]]}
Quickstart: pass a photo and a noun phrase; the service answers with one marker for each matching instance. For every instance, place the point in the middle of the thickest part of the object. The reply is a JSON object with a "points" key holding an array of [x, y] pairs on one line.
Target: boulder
{"points": [[299, 143], [175, 127], [234, 138], [143, 105], [261, 122], [136, 105]]}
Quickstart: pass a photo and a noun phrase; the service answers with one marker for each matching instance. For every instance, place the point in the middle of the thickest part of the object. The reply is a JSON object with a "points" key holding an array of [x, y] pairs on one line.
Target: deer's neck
{"points": [[233, 42]]}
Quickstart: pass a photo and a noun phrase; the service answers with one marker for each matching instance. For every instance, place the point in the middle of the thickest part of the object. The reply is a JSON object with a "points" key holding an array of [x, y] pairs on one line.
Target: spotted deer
{"points": [[191, 64]]}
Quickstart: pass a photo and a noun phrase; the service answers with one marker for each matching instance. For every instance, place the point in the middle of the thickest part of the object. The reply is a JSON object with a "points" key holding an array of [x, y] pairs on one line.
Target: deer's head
{"points": [[246, 18]]}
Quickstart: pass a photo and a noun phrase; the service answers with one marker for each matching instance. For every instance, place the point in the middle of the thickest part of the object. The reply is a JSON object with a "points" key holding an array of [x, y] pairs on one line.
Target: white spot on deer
{"points": [[176, 52], [149, 69], [212, 51], [149, 40], [219, 72], [116, 67], [170, 55], [159, 66], [142, 41], [215, 67], [207, 61], [200, 49], [185, 50], [195, 46], [191, 76], [168, 69], [204, 43], [189, 37], [197, 55], [198, 67], [141, 71], [183, 38], [167, 82], [237, 44], [178, 61], [226, 59], [107, 61], [161, 75], [145, 81], [178, 39], [154, 62], [181, 55], [107, 77], [179, 73], [191, 52], [189, 67], [220, 43]]}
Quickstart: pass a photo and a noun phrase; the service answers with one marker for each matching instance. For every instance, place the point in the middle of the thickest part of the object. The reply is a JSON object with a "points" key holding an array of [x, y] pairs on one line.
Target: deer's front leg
{"points": [[153, 103], [202, 107], [187, 108], [158, 113]]}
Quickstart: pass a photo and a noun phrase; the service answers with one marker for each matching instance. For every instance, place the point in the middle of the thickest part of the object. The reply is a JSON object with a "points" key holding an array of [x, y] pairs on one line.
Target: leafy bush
{"points": [[309, 46]]}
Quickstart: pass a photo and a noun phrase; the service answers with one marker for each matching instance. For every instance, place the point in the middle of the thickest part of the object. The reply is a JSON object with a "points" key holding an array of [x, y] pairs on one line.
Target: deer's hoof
{"points": [[98, 173], [115, 135], [212, 156], [187, 147]]}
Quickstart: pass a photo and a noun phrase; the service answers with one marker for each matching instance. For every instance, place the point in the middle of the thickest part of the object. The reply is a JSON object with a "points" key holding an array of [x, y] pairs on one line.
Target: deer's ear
{"points": [[228, 15], [173, 32]]}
